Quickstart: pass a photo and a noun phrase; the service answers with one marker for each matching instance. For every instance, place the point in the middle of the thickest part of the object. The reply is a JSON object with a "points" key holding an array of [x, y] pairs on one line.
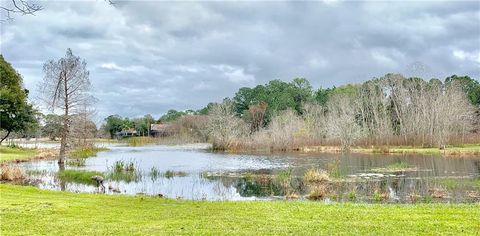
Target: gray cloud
{"points": [[150, 56]]}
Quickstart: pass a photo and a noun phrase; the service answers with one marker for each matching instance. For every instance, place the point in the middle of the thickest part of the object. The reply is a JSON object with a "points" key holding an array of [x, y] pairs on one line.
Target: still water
{"points": [[196, 173]]}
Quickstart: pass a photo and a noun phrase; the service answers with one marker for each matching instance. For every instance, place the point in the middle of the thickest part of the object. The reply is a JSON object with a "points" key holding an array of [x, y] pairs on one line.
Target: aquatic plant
{"points": [[140, 141], [79, 162], [171, 174], [154, 173], [316, 176], [333, 169], [125, 171], [78, 176], [352, 195], [12, 173]]}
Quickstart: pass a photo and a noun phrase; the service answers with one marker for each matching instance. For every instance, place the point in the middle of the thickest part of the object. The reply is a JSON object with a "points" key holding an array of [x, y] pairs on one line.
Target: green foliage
{"points": [[171, 116], [469, 85], [78, 176], [16, 114], [278, 95], [113, 124]]}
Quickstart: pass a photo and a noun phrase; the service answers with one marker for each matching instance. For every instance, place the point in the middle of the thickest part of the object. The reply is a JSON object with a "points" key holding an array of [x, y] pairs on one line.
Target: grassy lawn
{"points": [[16, 153], [28, 211]]}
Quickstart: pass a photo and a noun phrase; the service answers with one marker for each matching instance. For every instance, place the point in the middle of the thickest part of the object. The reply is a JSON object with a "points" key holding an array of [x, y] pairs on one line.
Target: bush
{"points": [[316, 176], [12, 173]]}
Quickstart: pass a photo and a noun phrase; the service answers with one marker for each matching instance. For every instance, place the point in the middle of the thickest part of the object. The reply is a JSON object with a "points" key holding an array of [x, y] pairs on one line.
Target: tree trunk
{"points": [[8, 133]]}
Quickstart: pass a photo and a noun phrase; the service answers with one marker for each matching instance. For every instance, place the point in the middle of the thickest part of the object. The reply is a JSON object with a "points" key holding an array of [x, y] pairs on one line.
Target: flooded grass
{"points": [[395, 167], [86, 152], [170, 174], [78, 176], [10, 153], [77, 162]]}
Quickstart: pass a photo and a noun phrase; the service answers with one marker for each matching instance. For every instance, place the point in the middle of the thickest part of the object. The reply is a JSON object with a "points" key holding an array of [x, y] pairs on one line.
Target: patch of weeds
{"points": [[352, 196], [78, 176], [397, 166]]}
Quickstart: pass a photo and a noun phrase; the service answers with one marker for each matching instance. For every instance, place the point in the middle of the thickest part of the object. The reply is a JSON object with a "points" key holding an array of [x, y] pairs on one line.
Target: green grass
{"points": [[30, 211], [78, 176], [86, 152], [16, 153]]}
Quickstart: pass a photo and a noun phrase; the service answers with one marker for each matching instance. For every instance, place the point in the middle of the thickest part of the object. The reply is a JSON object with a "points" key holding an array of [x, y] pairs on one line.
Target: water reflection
{"points": [[191, 172]]}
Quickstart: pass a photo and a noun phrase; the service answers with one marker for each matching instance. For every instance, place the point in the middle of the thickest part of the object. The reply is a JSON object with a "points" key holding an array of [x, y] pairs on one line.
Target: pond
{"points": [[193, 172]]}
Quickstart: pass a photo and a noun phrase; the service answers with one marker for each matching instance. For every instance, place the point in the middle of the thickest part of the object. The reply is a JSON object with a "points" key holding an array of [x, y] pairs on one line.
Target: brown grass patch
{"points": [[12, 173]]}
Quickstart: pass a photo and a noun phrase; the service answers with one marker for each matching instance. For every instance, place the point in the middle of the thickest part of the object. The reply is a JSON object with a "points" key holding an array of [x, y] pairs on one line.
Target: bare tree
{"points": [[343, 124], [66, 87], [224, 127], [22, 7]]}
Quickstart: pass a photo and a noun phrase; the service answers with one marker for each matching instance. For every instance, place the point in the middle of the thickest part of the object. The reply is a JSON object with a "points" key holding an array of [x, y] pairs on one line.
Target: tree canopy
{"points": [[16, 114]]}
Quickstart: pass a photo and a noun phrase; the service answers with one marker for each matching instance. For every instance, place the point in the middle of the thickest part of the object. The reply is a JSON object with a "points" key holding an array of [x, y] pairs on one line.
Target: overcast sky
{"points": [[147, 57]]}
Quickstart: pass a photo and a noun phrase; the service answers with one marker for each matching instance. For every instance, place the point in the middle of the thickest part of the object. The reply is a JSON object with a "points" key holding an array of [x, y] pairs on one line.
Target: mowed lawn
{"points": [[29, 211]]}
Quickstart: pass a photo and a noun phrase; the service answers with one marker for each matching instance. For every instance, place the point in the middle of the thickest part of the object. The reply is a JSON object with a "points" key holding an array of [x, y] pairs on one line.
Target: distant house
{"points": [[126, 133], [160, 130]]}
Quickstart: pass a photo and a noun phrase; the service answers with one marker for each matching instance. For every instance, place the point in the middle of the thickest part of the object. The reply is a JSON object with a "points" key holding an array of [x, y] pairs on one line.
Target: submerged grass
{"points": [[171, 174], [86, 152], [78, 176], [30, 211]]}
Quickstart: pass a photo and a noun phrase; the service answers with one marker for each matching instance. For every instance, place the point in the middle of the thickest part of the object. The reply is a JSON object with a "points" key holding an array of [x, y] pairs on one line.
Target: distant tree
{"points": [[52, 127], [206, 110], [113, 124], [16, 114], [66, 86], [470, 86], [171, 116]]}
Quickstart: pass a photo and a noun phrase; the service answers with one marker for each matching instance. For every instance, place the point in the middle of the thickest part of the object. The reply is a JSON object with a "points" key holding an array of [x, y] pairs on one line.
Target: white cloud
{"points": [[235, 74], [470, 56]]}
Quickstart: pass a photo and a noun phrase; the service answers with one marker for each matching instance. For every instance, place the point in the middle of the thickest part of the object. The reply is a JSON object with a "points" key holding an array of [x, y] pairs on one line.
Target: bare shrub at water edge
{"points": [[12, 173], [318, 192], [224, 128]]}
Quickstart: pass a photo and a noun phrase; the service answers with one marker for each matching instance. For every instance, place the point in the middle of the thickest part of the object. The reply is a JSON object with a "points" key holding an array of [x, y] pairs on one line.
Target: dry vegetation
{"points": [[392, 111]]}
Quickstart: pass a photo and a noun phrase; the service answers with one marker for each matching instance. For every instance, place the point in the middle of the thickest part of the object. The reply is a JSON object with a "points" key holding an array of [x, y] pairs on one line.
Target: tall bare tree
{"points": [[66, 86], [23, 7]]}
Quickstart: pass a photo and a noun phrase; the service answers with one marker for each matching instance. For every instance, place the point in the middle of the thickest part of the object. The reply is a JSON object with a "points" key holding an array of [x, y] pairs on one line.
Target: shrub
{"points": [[318, 192], [316, 176], [12, 173]]}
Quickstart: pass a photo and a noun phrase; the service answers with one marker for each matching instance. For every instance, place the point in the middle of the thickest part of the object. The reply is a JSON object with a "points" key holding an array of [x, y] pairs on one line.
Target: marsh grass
{"points": [[86, 152], [395, 167], [154, 173], [124, 171], [78, 176], [12, 173], [140, 141]]}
